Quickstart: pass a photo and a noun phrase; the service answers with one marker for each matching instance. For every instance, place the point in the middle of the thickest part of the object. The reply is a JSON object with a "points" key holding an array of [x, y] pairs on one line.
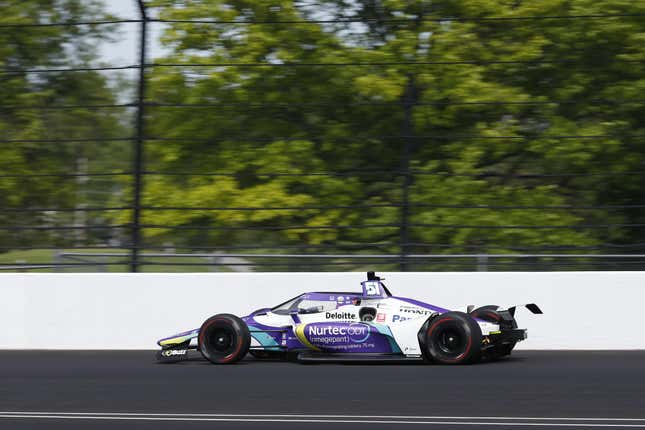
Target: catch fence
{"points": [[94, 230]]}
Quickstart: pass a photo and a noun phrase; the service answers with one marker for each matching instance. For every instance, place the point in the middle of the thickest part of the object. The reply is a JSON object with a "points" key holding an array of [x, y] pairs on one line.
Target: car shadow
{"points": [[251, 361]]}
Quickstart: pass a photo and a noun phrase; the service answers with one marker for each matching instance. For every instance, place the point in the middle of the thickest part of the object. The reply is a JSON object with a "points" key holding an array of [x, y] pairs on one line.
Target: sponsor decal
{"points": [[345, 337], [173, 352], [338, 334], [414, 310], [380, 317], [332, 298], [399, 318], [340, 316], [341, 299]]}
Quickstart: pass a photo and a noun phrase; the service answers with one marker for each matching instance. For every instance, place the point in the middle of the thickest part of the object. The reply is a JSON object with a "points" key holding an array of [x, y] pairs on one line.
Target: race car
{"points": [[351, 326]]}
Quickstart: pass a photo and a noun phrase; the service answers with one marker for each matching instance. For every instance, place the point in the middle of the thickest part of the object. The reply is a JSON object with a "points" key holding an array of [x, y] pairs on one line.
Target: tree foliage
{"points": [[484, 125], [484, 112], [31, 122]]}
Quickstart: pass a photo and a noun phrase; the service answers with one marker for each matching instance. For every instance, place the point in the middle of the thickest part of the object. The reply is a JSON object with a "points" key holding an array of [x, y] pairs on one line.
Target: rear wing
{"points": [[530, 306]]}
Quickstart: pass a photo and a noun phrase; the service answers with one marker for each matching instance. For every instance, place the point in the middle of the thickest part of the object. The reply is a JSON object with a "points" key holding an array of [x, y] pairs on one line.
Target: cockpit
{"points": [[310, 303]]}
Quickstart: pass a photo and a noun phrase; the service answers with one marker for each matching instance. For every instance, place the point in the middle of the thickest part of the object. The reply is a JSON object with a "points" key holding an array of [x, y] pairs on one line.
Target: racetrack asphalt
{"points": [[127, 389]]}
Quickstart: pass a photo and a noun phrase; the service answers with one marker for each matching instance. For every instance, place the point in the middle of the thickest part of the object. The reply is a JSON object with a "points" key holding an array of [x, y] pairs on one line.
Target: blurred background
{"points": [[255, 135]]}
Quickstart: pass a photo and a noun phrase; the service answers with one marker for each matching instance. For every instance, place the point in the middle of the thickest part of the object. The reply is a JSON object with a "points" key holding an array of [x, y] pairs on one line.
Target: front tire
{"points": [[224, 339], [453, 338]]}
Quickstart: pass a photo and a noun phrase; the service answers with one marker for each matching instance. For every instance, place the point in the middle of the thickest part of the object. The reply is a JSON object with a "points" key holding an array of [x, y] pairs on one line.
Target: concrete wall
{"points": [[582, 310]]}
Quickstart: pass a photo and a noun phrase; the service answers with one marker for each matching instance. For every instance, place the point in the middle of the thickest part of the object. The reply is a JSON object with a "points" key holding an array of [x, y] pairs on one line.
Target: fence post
{"points": [[212, 263], [58, 260], [408, 131], [482, 263], [138, 146]]}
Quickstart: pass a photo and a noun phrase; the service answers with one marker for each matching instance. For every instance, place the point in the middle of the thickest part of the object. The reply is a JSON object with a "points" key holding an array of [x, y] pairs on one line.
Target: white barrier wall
{"points": [[582, 310]]}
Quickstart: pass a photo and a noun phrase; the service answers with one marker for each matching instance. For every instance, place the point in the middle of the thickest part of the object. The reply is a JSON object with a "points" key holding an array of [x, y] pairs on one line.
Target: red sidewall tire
{"points": [[224, 339], [453, 338]]}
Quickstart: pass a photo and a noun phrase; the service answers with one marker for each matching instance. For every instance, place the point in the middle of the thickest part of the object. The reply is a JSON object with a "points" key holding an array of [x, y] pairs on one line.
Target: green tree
{"points": [[32, 120], [435, 99]]}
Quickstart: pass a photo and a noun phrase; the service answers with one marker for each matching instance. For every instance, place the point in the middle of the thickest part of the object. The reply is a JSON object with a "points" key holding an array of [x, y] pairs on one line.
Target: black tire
{"points": [[224, 339], [489, 313], [453, 338], [481, 310]]}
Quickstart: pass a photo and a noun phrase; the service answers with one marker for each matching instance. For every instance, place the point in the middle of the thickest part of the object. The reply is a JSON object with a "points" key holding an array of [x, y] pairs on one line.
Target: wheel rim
{"points": [[221, 340], [451, 342]]}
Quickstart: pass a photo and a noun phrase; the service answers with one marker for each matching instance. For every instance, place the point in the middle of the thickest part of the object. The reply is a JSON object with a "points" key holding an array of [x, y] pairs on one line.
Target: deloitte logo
{"points": [[340, 316]]}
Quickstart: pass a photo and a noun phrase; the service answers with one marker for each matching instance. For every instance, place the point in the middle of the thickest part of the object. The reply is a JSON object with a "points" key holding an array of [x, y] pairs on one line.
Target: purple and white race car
{"points": [[341, 326]]}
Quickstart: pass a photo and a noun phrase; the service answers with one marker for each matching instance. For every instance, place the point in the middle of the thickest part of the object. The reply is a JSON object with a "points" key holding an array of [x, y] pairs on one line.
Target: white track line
{"points": [[320, 416], [240, 418]]}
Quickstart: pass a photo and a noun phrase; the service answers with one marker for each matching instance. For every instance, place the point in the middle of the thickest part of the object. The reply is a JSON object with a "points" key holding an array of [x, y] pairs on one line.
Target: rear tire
{"points": [[224, 339], [489, 313], [453, 338]]}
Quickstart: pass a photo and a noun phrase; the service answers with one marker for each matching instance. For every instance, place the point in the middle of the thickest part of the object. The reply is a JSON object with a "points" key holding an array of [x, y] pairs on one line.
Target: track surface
{"points": [[531, 384]]}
